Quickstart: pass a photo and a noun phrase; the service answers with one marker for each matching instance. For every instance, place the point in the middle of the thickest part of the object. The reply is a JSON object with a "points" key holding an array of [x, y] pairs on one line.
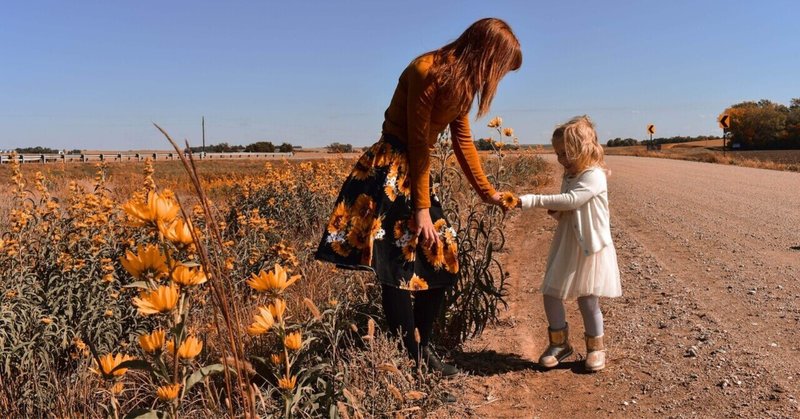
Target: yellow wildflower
{"points": [[262, 322], [149, 259], [152, 342], [293, 341], [108, 362], [117, 388], [178, 232], [287, 383], [187, 276], [277, 309], [272, 281], [168, 392], [160, 300], [495, 122], [508, 132], [189, 349]]}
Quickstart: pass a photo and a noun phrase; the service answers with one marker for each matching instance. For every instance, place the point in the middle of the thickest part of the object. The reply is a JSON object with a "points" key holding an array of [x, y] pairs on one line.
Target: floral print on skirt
{"points": [[372, 225]]}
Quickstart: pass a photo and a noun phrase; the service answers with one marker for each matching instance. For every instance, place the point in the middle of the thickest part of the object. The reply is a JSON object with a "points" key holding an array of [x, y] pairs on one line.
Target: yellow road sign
{"points": [[651, 129], [724, 121]]}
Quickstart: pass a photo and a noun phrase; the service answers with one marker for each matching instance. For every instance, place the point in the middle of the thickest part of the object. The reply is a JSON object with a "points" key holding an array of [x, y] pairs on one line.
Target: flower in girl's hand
{"points": [[508, 200]]}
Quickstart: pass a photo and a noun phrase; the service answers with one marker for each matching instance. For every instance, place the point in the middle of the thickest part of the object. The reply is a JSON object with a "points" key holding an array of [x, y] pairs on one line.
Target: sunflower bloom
{"points": [[262, 322], [108, 362], [148, 259], [178, 232], [508, 200], [168, 392], [160, 300], [293, 341], [275, 280], [277, 309], [186, 276], [287, 383], [417, 284], [152, 342], [339, 218]]}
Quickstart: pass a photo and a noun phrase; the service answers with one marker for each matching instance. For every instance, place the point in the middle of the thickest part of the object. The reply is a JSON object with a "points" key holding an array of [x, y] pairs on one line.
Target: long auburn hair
{"points": [[581, 147], [474, 63]]}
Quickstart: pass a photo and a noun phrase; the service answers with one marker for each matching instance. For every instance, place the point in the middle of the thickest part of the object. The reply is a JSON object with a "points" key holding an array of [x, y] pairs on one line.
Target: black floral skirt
{"points": [[372, 226]]}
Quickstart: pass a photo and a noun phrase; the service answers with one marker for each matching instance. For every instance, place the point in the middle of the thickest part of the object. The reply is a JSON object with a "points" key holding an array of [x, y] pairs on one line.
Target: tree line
{"points": [[256, 147]]}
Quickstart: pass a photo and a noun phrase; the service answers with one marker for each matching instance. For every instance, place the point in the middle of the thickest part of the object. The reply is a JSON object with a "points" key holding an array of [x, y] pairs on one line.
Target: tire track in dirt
{"points": [[707, 323]]}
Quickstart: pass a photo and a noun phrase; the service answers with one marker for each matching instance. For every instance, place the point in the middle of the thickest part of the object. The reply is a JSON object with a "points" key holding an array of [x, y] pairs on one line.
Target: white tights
{"points": [[590, 310]]}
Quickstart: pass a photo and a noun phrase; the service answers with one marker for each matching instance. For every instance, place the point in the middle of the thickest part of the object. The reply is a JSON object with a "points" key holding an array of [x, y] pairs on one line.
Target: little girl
{"points": [[582, 262]]}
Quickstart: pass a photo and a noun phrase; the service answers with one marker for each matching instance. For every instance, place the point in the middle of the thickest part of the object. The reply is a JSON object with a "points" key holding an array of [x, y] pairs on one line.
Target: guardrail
{"points": [[84, 158]]}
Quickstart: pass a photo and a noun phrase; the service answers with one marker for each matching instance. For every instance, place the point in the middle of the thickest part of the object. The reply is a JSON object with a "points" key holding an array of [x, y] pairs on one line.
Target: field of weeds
{"points": [[189, 289]]}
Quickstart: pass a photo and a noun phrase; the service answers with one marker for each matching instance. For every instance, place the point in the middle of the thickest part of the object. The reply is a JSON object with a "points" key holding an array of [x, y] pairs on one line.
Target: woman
{"points": [[386, 218]]}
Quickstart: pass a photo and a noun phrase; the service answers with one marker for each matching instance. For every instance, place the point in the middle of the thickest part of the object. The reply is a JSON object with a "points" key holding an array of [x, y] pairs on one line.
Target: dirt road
{"points": [[708, 323]]}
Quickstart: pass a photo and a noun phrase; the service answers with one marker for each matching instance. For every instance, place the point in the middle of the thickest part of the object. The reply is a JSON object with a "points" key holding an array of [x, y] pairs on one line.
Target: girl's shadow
{"points": [[487, 363]]}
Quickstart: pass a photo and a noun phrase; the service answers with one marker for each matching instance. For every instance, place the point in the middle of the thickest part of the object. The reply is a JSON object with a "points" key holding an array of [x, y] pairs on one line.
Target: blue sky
{"points": [[95, 74]]}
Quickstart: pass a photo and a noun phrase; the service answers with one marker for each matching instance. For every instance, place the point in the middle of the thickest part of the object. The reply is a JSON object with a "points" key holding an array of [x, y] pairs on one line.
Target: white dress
{"points": [[582, 259]]}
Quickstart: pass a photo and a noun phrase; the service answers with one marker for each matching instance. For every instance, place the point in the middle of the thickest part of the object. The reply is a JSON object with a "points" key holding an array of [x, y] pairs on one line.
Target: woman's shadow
{"points": [[488, 362]]}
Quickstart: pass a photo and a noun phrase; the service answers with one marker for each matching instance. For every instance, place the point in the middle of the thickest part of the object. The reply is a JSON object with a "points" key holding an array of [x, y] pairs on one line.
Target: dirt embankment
{"points": [[708, 324]]}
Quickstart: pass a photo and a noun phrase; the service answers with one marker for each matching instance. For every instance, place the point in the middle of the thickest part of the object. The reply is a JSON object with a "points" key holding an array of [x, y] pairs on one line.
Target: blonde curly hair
{"points": [[579, 139]]}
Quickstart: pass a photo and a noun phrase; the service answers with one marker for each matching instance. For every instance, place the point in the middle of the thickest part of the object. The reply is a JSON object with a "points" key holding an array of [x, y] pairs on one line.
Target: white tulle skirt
{"points": [[571, 274]]}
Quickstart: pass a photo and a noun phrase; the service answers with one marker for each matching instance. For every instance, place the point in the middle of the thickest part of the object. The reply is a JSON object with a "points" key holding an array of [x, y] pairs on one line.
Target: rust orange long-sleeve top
{"points": [[416, 116]]}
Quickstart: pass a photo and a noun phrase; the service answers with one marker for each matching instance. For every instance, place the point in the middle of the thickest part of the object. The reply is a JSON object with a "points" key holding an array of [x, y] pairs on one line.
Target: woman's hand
{"points": [[425, 228], [494, 199]]}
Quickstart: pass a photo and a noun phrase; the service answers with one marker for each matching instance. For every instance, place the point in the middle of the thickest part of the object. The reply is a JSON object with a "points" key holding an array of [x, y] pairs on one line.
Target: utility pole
{"points": [[204, 137]]}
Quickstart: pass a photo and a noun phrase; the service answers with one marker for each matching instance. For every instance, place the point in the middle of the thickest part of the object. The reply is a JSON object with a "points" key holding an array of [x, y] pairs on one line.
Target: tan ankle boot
{"points": [[558, 349], [595, 353]]}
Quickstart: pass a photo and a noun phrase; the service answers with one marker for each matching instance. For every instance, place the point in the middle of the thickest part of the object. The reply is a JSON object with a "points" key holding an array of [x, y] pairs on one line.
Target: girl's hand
{"points": [[425, 228]]}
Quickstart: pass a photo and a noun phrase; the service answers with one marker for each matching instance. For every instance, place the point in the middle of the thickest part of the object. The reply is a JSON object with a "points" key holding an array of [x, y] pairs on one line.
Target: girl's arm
{"points": [[467, 156], [589, 185]]}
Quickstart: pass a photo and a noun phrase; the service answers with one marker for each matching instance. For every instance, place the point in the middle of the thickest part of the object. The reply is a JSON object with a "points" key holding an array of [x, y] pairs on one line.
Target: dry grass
{"points": [[783, 160]]}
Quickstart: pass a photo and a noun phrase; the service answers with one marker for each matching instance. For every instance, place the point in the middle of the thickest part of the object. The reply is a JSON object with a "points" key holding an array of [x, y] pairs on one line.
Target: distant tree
{"points": [[286, 148], [340, 148], [36, 150], [792, 139], [75, 151], [484, 144], [759, 124], [260, 147]]}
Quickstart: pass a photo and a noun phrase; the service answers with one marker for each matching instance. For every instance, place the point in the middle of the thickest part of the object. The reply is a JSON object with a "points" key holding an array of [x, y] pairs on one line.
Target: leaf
{"points": [[145, 414], [137, 284], [134, 364], [202, 373]]}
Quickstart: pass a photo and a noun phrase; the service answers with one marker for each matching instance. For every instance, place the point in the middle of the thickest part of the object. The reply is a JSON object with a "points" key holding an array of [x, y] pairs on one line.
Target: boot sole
{"points": [[559, 359]]}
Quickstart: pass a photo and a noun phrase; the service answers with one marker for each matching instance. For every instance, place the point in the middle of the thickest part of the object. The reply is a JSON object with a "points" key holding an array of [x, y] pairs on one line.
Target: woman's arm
{"points": [[468, 159], [589, 185]]}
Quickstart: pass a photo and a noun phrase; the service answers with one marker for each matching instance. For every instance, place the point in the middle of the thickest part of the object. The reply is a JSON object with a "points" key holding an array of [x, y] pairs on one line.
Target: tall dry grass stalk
{"points": [[213, 261]]}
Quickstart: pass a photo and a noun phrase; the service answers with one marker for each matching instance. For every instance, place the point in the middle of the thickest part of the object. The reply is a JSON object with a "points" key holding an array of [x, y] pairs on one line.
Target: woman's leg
{"points": [[592, 316], [426, 308], [400, 316], [554, 310]]}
